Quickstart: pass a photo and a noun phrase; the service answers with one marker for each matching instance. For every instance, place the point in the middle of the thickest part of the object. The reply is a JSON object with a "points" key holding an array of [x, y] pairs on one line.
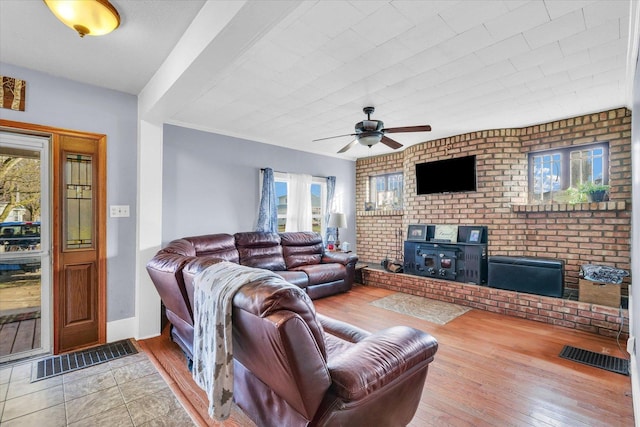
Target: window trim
{"points": [[284, 177], [565, 165], [373, 190]]}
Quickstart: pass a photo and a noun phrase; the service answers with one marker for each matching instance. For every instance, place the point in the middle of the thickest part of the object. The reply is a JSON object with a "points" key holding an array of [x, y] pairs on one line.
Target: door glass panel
{"points": [[23, 281], [79, 201]]}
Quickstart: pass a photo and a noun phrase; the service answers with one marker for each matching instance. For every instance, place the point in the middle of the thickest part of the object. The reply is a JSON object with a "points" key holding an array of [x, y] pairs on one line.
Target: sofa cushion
{"points": [[260, 250], [221, 245], [301, 248], [179, 247], [323, 273]]}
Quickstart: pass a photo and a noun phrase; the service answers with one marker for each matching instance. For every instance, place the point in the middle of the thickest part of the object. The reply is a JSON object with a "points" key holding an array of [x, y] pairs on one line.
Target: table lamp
{"points": [[337, 220]]}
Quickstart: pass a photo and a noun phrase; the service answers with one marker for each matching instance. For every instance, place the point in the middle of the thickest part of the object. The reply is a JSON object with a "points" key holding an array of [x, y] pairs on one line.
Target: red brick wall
{"points": [[578, 234], [377, 232]]}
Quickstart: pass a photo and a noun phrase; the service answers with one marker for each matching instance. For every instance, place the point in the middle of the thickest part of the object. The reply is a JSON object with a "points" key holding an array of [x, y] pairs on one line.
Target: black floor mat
{"points": [[58, 365], [602, 361]]}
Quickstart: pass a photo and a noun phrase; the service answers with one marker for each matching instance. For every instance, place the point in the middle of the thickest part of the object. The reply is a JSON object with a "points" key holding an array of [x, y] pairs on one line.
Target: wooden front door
{"points": [[79, 255], [78, 184]]}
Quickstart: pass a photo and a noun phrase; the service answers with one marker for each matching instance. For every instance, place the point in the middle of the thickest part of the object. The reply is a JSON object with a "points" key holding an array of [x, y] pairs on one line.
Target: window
{"points": [[386, 191], [318, 196], [556, 175]]}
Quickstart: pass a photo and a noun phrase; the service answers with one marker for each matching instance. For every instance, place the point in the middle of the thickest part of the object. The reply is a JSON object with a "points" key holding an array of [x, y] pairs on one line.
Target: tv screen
{"points": [[447, 176]]}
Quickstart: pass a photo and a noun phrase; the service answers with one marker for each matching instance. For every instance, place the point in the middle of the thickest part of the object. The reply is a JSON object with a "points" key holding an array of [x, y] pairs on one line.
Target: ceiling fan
{"points": [[370, 132]]}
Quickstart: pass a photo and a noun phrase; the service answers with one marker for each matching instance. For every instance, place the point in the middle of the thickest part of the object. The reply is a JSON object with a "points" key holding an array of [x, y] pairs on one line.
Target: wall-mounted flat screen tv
{"points": [[447, 176]]}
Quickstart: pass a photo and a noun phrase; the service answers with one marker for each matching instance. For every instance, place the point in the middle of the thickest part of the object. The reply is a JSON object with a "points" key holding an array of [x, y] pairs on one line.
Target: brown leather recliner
{"points": [[293, 367]]}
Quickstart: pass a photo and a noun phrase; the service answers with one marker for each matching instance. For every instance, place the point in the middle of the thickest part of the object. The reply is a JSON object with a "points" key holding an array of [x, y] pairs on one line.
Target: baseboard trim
{"points": [[635, 388], [633, 360], [121, 329]]}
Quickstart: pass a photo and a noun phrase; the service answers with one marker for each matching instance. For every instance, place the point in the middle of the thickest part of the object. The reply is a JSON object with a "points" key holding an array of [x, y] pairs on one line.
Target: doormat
{"points": [[423, 308], [597, 360], [64, 363]]}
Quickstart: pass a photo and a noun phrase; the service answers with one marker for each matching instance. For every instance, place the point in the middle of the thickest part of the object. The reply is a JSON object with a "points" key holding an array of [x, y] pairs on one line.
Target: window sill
{"points": [[568, 207], [381, 212]]}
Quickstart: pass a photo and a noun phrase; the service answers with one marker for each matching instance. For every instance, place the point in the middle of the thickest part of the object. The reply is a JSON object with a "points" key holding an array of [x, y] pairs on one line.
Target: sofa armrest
{"points": [[165, 270], [379, 360], [339, 257], [342, 330], [191, 270]]}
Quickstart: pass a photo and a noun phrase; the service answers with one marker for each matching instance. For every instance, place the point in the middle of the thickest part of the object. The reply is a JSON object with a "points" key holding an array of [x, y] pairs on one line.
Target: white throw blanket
{"points": [[212, 335]]}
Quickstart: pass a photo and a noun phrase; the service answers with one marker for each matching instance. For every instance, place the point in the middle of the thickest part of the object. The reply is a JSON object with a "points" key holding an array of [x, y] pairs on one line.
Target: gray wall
{"points": [[634, 314], [62, 103], [211, 181]]}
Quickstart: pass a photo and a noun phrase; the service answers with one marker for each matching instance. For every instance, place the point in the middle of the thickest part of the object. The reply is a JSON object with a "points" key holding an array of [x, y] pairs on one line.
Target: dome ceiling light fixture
{"points": [[87, 17]]}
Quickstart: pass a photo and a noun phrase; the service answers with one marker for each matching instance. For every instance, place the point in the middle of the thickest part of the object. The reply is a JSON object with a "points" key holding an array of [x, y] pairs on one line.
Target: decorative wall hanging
{"points": [[13, 93]]}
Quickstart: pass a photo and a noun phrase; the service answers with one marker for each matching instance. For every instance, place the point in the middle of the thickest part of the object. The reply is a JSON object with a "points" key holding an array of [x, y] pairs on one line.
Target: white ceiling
{"points": [[284, 72]]}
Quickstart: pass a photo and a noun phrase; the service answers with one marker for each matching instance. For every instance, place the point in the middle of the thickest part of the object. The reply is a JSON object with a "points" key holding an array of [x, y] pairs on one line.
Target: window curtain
{"points": [[331, 189], [268, 211], [299, 203]]}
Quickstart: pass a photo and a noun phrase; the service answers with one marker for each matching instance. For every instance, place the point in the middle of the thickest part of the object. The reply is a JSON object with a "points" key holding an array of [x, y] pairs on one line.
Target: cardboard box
{"points": [[599, 293]]}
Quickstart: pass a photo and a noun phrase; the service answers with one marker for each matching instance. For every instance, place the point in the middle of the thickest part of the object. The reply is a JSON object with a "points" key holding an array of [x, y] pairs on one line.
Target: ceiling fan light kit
{"points": [[369, 138], [87, 17], [370, 132]]}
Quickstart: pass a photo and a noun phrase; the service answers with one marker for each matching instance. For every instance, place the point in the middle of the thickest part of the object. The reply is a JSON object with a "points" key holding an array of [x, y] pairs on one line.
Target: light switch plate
{"points": [[118, 211]]}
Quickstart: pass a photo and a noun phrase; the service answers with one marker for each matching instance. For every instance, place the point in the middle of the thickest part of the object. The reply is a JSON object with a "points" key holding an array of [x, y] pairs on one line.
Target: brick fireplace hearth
{"points": [[582, 316]]}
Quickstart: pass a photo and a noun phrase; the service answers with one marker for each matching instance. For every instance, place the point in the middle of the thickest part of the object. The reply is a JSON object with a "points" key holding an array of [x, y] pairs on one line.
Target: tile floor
{"points": [[123, 392]]}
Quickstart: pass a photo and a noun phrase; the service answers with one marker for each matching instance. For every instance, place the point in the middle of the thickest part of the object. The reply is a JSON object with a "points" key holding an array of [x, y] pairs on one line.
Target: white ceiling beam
{"points": [[633, 50], [221, 33]]}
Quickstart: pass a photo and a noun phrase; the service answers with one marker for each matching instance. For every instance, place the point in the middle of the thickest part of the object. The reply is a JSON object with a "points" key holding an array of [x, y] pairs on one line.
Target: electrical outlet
{"points": [[119, 211]]}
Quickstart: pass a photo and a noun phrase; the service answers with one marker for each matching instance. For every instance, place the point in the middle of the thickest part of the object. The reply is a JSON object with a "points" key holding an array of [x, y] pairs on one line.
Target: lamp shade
{"points": [[369, 138], [337, 220], [92, 17]]}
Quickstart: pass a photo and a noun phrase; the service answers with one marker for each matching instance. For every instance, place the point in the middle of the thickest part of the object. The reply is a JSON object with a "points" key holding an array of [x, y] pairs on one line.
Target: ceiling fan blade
{"points": [[348, 146], [331, 137], [390, 142], [423, 128]]}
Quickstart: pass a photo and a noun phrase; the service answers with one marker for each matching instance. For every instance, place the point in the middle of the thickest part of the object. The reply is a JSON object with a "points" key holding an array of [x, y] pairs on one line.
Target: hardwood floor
{"points": [[490, 370]]}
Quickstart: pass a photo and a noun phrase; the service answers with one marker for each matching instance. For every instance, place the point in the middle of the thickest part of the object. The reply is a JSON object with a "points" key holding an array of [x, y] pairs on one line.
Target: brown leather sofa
{"points": [[298, 257], [295, 367], [292, 366]]}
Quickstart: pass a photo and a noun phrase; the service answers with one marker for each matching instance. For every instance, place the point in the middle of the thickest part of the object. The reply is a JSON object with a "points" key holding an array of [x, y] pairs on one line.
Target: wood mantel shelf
{"points": [[618, 205]]}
